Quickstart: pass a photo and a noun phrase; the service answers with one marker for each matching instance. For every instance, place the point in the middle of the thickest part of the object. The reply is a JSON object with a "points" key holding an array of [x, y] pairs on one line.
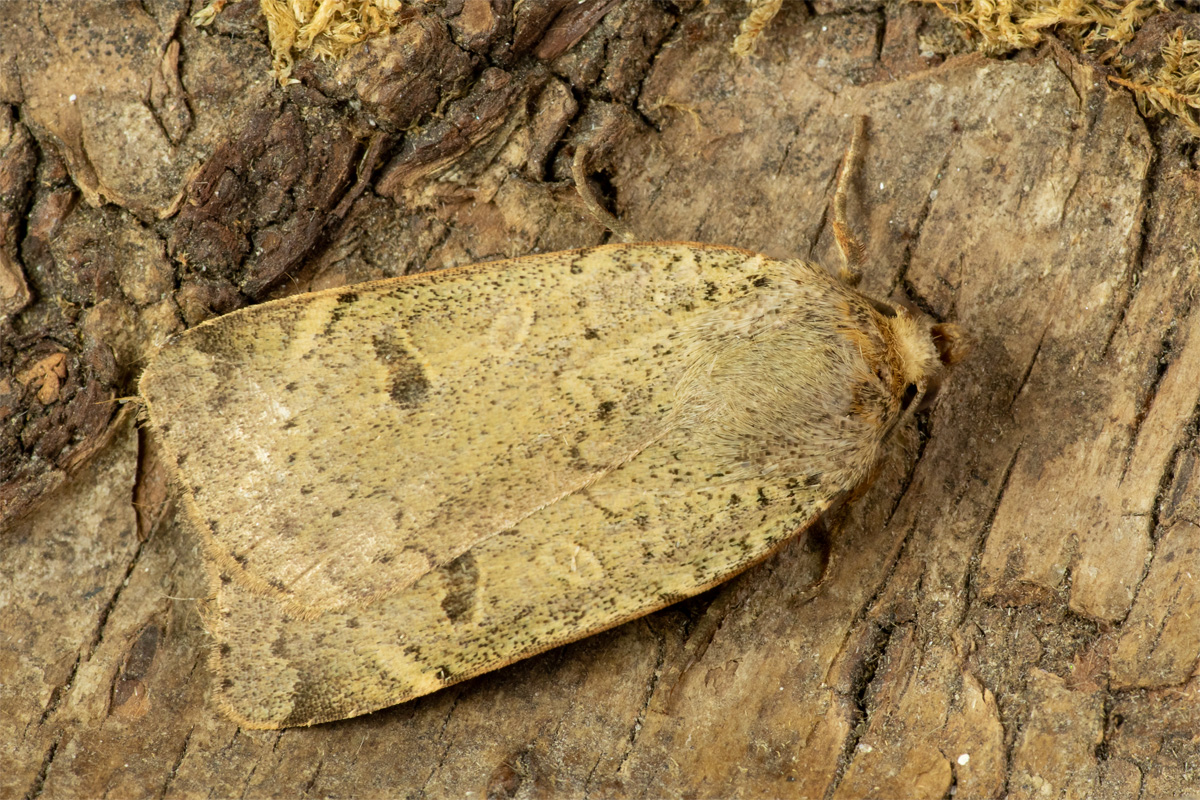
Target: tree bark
{"points": [[1009, 610]]}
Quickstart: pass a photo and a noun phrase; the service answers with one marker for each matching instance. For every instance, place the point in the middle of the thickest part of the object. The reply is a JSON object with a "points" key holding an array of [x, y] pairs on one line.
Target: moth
{"points": [[406, 483]]}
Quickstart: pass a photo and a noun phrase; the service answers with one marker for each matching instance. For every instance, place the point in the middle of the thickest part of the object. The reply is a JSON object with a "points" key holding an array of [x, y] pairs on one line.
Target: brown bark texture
{"points": [[1012, 609]]}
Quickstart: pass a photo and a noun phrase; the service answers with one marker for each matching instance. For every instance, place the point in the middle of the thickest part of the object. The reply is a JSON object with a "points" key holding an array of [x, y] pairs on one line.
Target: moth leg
{"points": [[849, 246], [819, 537], [591, 198]]}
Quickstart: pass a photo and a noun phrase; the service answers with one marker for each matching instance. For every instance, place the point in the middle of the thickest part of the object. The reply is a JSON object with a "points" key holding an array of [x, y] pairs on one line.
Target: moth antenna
{"points": [[761, 14], [849, 246], [591, 198]]}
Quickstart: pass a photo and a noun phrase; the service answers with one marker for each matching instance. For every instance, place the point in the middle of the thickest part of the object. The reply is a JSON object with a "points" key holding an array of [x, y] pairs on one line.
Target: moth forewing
{"points": [[407, 483], [368, 435]]}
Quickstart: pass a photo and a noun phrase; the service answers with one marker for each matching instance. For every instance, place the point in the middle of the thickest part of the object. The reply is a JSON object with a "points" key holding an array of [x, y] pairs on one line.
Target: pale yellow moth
{"points": [[406, 483]]}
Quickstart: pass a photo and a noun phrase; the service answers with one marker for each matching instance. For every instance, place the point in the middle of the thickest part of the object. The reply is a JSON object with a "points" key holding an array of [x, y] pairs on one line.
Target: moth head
{"points": [[922, 352]]}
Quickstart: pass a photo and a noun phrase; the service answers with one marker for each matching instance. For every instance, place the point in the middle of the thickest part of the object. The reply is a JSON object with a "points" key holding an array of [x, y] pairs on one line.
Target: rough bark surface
{"points": [[1011, 609]]}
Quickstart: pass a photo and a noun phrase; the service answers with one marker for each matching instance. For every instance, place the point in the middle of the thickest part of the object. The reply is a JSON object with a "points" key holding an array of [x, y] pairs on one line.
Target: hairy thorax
{"points": [[804, 379]]}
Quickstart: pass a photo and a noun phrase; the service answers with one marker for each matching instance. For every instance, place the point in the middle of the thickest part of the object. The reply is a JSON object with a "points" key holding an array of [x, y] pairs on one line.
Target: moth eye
{"points": [[910, 394], [951, 342]]}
